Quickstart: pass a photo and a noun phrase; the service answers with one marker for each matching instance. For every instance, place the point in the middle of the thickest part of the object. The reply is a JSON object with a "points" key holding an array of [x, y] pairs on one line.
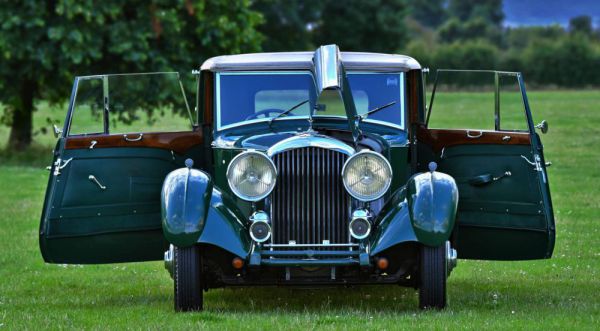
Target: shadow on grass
{"points": [[464, 295]]}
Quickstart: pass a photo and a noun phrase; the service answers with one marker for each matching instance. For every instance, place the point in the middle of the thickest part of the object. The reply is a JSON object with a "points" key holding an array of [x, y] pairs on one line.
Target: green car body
{"points": [[474, 194]]}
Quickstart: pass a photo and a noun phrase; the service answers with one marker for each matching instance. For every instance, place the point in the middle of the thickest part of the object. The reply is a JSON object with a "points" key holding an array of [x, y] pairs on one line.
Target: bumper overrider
{"points": [[195, 212]]}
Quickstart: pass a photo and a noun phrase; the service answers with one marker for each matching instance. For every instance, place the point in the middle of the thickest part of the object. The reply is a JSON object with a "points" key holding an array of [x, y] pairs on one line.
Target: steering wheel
{"points": [[266, 113]]}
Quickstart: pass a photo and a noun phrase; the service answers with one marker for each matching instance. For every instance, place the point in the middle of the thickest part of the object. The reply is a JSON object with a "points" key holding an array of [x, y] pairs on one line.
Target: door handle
{"points": [[487, 178], [474, 136], [133, 139], [93, 179]]}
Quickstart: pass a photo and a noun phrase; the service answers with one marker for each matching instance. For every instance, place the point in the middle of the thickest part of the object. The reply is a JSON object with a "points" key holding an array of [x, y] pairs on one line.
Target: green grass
{"points": [[560, 293]]}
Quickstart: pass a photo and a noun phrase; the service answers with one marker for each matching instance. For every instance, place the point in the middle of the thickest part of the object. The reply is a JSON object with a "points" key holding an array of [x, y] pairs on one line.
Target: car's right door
{"points": [[505, 210], [123, 134]]}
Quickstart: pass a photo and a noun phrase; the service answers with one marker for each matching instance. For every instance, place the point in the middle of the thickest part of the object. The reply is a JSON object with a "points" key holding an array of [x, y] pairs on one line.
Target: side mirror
{"points": [[543, 126], [57, 131]]}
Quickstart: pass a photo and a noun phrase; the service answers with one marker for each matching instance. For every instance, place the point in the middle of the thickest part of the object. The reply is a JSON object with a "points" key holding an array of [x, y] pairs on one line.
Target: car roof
{"points": [[303, 61]]}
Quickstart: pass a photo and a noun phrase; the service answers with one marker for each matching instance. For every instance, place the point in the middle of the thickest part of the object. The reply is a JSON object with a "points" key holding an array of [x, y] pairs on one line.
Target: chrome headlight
{"points": [[251, 175], [367, 175]]}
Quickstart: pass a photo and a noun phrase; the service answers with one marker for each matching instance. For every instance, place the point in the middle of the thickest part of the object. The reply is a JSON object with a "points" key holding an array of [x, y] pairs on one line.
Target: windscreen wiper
{"points": [[288, 111], [373, 111]]}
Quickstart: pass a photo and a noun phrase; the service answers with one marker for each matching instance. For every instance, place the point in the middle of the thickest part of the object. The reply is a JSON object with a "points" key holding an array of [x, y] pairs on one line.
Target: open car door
{"points": [[504, 210], [123, 134]]}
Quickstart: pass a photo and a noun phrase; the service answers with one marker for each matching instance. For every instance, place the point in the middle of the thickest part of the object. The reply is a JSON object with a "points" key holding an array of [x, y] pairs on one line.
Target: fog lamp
{"points": [[360, 226], [260, 229]]}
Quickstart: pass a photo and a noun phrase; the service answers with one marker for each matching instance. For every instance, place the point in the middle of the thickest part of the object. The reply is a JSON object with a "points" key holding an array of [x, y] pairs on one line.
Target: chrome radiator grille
{"points": [[309, 204]]}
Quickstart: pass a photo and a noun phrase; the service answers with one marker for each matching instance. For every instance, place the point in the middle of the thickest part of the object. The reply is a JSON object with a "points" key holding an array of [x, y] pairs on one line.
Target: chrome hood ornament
{"points": [[332, 85]]}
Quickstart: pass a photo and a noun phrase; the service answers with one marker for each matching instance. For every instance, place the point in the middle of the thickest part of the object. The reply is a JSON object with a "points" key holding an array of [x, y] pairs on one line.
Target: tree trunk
{"points": [[22, 120]]}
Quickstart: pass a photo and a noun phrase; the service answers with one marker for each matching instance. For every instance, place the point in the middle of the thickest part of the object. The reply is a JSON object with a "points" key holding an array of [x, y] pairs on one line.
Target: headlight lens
{"points": [[251, 175], [367, 175]]}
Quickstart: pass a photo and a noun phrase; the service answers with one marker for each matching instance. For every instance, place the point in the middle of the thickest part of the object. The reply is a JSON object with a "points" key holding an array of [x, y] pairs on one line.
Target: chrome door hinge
{"points": [[58, 166], [537, 165]]}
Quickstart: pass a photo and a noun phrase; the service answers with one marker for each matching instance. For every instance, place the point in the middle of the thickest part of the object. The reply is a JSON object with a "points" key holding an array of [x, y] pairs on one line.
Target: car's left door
{"points": [[103, 197]]}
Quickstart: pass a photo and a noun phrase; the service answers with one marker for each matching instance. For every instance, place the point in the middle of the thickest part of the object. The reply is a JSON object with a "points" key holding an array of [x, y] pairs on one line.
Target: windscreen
{"points": [[257, 96]]}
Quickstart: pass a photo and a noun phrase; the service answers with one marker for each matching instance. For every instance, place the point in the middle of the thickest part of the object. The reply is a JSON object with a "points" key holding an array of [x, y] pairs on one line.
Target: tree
{"points": [[489, 10], [42, 46], [288, 23], [357, 25], [475, 28], [581, 24], [430, 13]]}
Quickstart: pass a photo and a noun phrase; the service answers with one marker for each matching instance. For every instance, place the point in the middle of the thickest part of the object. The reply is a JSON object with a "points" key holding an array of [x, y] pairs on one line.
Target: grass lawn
{"points": [[560, 293]]}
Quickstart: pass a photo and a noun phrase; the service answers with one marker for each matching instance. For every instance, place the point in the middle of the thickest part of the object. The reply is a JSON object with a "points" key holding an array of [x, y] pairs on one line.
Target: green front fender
{"points": [[432, 199], [194, 211], [423, 211], [394, 228], [185, 198], [225, 227]]}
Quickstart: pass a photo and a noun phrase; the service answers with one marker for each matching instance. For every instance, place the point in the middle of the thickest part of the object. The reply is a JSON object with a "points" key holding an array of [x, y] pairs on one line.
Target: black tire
{"points": [[432, 288], [187, 279]]}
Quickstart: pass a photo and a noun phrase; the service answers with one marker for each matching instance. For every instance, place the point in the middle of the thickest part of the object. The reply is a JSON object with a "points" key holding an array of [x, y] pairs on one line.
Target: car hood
{"points": [[269, 142], [265, 141]]}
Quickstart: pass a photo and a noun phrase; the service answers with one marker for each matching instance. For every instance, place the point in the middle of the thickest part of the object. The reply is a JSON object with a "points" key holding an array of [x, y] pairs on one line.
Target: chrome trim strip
{"points": [[309, 245], [310, 140], [303, 60]]}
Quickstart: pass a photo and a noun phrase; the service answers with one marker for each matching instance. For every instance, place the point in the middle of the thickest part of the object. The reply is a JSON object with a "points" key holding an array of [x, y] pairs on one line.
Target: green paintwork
{"points": [[432, 200], [82, 223], [225, 226], [185, 200], [398, 157], [503, 219], [422, 211], [393, 225], [194, 211]]}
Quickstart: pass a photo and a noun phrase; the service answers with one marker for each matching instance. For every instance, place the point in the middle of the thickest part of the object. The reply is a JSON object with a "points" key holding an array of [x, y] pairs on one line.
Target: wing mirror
{"points": [[543, 126], [57, 131]]}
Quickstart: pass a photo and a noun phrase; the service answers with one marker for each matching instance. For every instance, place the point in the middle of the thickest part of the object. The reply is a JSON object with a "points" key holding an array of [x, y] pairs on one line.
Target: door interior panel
{"points": [[87, 220], [127, 173], [503, 217]]}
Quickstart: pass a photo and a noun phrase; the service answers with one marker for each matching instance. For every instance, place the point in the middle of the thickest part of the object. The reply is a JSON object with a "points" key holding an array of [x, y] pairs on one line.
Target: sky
{"points": [[546, 12]]}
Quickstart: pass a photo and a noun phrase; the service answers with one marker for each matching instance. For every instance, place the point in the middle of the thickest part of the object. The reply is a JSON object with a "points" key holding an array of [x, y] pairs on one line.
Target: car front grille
{"points": [[309, 204]]}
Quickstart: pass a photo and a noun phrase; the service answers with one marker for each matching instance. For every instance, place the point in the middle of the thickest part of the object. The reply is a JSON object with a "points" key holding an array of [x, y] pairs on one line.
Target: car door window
{"points": [[88, 115], [512, 109], [463, 101], [480, 100], [130, 103]]}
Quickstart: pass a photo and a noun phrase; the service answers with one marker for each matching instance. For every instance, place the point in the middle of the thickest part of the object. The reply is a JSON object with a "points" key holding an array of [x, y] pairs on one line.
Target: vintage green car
{"points": [[299, 168]]}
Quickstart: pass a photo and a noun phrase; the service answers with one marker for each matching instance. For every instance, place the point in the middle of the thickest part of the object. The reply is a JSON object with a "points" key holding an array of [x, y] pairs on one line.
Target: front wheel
{"points": [[187, 279], [432, 289]]}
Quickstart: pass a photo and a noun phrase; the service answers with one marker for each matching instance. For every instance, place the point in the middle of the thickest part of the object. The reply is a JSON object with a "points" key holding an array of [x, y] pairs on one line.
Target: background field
{"points": [[560, 293]]}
